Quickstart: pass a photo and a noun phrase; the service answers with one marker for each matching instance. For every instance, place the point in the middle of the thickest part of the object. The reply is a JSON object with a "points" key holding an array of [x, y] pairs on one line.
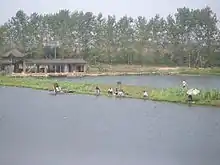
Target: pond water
{"points": [[39, 129], [154, 81]]}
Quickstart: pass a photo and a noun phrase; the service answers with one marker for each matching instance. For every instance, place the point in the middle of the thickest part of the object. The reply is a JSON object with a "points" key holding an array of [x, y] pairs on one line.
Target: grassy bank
{"points": [[200, 71], [177, 95]]}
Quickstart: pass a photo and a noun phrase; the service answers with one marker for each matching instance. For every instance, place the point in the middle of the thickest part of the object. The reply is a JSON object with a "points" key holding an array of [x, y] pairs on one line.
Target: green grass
{"points": [[200, 71], [177, 95]]}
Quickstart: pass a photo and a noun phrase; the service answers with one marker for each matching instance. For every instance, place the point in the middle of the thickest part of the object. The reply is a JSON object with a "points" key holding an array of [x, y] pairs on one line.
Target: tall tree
{"points": [[190, 37]]}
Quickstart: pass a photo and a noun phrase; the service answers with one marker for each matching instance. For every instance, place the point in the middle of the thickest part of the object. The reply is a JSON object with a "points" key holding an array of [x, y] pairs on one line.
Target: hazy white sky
{"points": [[134, 8]]}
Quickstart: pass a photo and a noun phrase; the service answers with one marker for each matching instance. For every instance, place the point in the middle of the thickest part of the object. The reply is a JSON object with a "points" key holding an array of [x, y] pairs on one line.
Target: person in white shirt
{"points": [[97, 91], [145, 94], [184, 84], [57, 88], [116, 92], [121, 93], [110, 91]]}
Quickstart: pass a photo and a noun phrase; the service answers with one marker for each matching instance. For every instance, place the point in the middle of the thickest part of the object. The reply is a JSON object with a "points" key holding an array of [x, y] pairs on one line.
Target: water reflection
{"points": [[99, 130]]}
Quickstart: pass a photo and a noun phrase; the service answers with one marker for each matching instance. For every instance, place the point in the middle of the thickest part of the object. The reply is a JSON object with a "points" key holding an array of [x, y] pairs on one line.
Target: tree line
{"points": [[190, 37]]}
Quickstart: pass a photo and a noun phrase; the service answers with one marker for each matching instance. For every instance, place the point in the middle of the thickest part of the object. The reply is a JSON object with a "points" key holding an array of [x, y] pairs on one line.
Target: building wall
{"points": [[64, 68], [9, 69]]}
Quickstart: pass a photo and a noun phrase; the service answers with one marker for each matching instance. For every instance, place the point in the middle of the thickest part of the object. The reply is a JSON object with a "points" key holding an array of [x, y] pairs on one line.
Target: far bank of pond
{"points": [[130, 72], [177, 95], [152, 70]]}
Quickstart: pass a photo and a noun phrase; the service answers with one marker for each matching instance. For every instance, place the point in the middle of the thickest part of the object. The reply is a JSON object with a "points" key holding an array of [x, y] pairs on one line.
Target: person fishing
{"points": [[116, 91], [56, 88], [190, 98], [110, 91], [121, 93], [184, 84], [97, 91], [145, 94]]}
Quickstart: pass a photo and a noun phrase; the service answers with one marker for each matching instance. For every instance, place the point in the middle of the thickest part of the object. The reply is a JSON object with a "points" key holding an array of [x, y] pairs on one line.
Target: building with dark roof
{"points": [[14, 53], [57, 65], [16, 62]]}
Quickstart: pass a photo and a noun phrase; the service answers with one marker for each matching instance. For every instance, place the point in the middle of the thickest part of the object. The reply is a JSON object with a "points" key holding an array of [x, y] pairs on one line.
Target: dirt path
{"points": [[167, 68]]}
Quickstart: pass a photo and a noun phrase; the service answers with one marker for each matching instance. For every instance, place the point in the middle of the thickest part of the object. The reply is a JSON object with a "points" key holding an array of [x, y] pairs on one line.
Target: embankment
{"points": [[177, 95]]}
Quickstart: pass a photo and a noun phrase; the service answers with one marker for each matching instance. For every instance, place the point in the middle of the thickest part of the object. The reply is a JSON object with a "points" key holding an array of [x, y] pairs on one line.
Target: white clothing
{"points": [[120, 93], [184, 83], [145, 94], [110, 90], [58, 89], [97, 91]]}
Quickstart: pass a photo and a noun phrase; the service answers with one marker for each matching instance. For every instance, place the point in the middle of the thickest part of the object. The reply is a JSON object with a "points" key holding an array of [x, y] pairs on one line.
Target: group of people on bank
{"points": [[120, 92], [116, 92]]}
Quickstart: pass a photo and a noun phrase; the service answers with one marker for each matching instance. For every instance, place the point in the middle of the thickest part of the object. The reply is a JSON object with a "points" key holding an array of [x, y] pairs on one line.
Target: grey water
{"points": [[201, 82], [40, 129]]}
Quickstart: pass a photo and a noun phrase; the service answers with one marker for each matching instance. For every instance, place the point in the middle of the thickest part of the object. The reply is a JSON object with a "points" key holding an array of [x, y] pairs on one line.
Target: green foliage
{"points": [[178, 95], [188, 38]]}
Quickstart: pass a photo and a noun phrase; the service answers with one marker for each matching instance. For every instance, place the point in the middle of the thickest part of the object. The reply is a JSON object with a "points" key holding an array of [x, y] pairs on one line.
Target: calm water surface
{"points": [[154, 81], [39, 129]]}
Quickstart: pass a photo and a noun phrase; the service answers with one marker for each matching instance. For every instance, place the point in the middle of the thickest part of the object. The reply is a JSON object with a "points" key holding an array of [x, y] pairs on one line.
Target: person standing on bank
{"points": [[97, 89], [116, 91], [184, 84], [110, 91], [190, 99], [56, 88], [145, 94]]}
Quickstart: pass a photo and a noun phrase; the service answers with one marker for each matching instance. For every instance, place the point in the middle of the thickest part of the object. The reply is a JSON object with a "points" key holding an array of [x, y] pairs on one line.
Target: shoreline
{"points": [[72, 75], [177, 72], [175, 95]]}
